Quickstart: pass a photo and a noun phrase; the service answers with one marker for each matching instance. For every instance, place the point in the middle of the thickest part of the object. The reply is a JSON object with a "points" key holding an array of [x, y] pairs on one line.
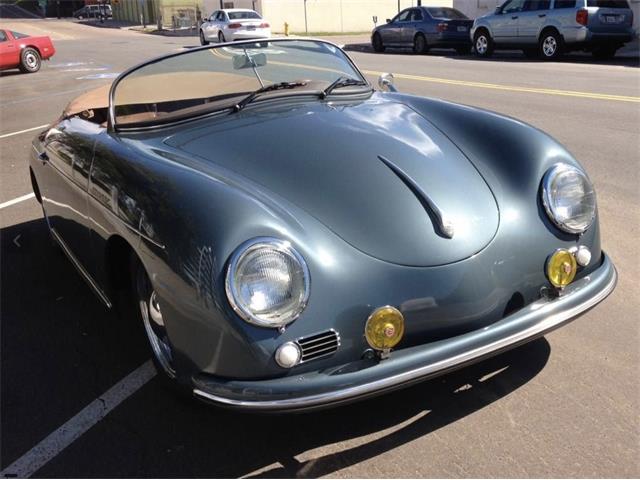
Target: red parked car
{"points": [[25, 52]]}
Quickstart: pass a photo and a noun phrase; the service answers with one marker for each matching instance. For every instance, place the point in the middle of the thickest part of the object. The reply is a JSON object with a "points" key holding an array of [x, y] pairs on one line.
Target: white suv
{"points": [[550, 27]]}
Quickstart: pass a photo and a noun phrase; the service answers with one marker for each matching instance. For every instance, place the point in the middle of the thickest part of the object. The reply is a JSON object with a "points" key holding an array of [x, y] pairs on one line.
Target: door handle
{"points": [[542, 15], [514, 17], [43, 157]]}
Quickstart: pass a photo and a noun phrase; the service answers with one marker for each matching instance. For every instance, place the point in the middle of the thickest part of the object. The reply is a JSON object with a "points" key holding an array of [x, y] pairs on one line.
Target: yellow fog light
{"points": [[384, 328], [561, 268]]}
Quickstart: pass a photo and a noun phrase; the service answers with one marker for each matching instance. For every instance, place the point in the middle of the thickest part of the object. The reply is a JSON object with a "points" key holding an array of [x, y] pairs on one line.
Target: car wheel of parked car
{"points": [[420, 44], [203, 40], [30, 60], [221, 38], [483, 44], [465, 50], [550, 46], [149, 309], [377, 44], [604, 53]]}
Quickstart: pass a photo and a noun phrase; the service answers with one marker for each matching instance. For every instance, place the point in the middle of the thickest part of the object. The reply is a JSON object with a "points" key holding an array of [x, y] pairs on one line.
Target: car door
{"points": [[532, 19], [66, 162], [504, 26], [392, 33], [209, 25], [9, 50], [410, 27], [221, 22]]}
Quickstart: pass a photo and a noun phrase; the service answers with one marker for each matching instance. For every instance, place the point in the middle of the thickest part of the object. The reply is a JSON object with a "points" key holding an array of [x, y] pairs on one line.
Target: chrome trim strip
{"points": [[76, 263], [444, 226], [361, 390]]}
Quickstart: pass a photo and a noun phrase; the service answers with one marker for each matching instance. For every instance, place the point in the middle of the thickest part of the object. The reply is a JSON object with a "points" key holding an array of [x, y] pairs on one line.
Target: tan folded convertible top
{"points": [[164, 87]]}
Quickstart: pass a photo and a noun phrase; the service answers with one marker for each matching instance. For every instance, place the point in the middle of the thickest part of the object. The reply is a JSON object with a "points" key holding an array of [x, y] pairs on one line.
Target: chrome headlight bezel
{"points": [[250, 246], [549, 203]]}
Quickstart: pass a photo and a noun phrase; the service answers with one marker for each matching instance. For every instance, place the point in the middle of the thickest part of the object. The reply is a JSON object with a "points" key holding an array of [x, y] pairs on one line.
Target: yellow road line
{"points": [[513, 88], [491, 86]]}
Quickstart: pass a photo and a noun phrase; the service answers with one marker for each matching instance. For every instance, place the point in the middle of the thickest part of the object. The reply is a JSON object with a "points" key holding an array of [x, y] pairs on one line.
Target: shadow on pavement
{"points": [[61, 349]]}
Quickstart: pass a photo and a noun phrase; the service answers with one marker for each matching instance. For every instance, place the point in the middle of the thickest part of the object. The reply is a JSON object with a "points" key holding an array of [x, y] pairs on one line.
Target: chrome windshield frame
{"points": [[111, 123]]}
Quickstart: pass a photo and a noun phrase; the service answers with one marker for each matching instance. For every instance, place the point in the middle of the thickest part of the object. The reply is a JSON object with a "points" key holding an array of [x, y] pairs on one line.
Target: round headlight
{"points": [[568, 198], [267, 282]]}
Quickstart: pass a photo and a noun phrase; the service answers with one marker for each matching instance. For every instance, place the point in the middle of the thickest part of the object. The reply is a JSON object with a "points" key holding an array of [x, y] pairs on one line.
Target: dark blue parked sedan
{"points": [[423, 28]]}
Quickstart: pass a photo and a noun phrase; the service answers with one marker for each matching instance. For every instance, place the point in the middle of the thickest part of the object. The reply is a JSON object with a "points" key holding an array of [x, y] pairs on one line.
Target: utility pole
{"points": [[398, 6], [306, 27]]}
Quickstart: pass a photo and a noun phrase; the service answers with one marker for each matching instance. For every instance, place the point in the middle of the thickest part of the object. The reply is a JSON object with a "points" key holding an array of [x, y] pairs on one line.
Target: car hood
{"points": [[376, 173]]}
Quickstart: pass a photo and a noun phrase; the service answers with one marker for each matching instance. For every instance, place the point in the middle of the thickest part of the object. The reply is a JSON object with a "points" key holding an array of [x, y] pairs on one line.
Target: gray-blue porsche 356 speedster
{"points": [[292, 237]]}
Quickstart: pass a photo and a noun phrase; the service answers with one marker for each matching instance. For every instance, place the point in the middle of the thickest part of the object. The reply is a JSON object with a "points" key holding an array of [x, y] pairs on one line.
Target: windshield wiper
{"points": [[341, 81], [269, 88]]}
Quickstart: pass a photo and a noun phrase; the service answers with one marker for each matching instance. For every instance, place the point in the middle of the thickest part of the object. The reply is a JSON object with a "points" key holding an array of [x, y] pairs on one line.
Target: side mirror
{"points": [[388, 20], [249, 61], [498, 10], [385, 82]]}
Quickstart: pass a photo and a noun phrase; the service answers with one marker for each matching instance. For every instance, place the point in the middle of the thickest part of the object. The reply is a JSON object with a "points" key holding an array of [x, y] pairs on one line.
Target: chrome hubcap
{"points": [[549, 46], [481, 44], [31, 60]]}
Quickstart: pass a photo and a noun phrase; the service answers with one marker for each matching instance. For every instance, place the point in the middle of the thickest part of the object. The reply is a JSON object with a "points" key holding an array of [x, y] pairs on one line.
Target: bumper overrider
{"points": [[369, 377]]}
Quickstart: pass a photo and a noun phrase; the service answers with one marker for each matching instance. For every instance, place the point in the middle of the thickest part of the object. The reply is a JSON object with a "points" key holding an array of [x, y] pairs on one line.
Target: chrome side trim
{"points": [[76, 263], [536, 330]]}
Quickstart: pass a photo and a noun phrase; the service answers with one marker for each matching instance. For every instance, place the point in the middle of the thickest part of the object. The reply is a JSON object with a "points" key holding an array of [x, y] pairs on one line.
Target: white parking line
{"points": [[7, 135], [16, 200], [64, 436]]}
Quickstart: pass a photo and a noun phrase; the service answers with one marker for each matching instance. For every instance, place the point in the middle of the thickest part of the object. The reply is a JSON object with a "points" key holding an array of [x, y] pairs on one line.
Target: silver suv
{"points": [[548, 28]]}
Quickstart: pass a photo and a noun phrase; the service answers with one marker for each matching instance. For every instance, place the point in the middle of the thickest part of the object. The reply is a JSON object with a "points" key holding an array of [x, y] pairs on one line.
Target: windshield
{"points": [[243, 15], [206, 80]]}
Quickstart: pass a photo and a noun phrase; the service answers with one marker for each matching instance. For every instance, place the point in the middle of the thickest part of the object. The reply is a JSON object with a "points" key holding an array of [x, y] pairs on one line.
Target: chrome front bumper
{"points": [[364, 378]]}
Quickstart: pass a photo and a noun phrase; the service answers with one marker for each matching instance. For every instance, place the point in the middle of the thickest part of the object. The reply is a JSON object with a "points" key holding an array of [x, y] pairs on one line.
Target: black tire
{"points": [[376, 43], [483, 44], [464, 50], [203, 40], [221, 38], [30, 60], [550, 45], [420, 44], [605, 52]]}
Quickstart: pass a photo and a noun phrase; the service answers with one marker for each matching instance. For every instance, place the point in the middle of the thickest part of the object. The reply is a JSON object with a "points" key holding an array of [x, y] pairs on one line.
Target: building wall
{"points": [[334, 15]]}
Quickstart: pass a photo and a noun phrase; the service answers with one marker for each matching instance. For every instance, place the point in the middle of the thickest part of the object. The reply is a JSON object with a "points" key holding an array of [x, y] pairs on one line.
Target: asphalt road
{"points": [[565, 405]]}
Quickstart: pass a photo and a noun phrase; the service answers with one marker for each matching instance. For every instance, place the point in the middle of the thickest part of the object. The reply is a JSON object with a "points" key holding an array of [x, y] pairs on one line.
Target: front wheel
{"points": [[203, 40], [30, 60], [377, 44], [221, 38], [152, 320], [550, 46], [483, 44], [420, 44]]}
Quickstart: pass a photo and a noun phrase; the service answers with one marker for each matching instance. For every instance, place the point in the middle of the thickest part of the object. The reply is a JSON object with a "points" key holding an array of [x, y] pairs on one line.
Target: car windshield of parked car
{"points": [[446, 13], [243, 15], [203, 81]]}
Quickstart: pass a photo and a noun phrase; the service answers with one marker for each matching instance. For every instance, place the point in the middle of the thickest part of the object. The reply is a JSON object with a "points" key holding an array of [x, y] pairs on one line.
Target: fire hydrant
{"points": [[286, 29]]}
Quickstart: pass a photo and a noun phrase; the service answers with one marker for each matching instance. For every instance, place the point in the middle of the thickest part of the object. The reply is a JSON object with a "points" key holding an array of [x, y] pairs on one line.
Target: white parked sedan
{"points": [[233, 24]]}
